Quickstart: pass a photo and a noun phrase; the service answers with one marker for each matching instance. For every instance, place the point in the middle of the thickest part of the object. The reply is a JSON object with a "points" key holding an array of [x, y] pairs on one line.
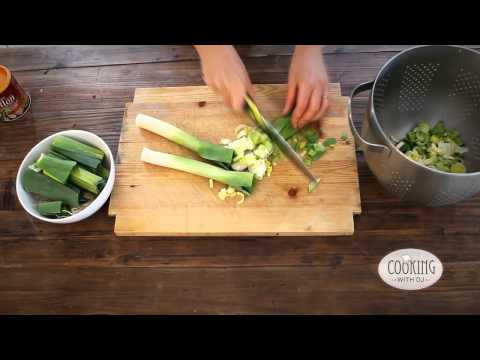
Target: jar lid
{"points": [[5, 78]]}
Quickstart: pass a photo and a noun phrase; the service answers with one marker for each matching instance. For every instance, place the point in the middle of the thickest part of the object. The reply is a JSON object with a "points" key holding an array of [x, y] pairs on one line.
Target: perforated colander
{"points": [[424, 83]]}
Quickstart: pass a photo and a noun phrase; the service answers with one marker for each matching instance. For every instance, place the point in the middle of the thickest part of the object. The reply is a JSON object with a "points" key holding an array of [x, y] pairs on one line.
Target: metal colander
{"points": [[424, 83]]}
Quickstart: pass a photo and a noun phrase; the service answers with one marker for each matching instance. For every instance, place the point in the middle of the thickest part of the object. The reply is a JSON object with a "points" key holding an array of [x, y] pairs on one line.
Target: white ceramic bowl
{"points": [[84, 136]]}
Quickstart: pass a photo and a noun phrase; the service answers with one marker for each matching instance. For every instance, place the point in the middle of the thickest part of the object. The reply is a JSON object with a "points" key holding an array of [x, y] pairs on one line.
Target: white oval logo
{"points": [[410, 269]]}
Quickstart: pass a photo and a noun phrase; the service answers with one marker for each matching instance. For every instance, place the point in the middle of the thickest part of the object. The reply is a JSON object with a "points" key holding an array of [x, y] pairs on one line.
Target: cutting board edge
{"points": [[235, 234]]}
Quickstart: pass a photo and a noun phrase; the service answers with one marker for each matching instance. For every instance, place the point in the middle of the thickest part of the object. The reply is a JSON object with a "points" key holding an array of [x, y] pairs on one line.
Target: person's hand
{"points": [[225, 73], [307, 86]]}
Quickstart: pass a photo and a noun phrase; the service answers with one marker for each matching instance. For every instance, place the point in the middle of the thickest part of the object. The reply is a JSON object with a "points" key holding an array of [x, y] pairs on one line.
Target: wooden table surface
{"points": [[84, 268]]}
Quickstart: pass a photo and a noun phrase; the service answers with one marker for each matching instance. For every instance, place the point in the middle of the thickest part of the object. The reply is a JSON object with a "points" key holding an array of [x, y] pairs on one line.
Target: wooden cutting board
{"points": [[152, 201]]}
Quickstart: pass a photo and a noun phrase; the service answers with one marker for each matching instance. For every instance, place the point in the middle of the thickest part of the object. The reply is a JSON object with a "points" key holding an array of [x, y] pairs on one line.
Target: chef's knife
{"points": [[284, 146]]}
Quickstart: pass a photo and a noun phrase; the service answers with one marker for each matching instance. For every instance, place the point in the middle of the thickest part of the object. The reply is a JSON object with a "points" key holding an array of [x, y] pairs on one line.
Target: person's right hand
{"points": [[225, 73]]}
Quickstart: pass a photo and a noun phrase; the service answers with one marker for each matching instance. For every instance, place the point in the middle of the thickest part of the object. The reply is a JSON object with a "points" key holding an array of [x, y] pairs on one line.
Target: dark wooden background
{"points": [[84, 269]]}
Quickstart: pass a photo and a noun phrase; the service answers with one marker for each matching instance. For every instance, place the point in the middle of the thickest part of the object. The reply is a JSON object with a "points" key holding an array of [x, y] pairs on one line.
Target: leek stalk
{"points": [[235, 179], [203, 148]]}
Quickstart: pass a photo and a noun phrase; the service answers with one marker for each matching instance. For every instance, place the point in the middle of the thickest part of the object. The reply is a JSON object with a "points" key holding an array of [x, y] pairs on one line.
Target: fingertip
{"points": [[238, 105], [295, 119]]}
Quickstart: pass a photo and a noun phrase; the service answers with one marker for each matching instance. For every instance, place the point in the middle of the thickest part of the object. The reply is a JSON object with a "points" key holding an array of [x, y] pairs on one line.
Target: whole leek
{"points": [[203, 148], [235, 179]]}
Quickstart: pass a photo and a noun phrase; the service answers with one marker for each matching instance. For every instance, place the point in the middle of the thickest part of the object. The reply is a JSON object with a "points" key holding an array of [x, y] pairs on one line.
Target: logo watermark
{"points": [[410, 269]]}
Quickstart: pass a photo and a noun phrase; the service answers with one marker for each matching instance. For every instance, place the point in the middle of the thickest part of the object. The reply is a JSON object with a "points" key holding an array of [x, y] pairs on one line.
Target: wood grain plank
{"points": [[21, 58], [112, 86], [302, 290], [379, 230]]}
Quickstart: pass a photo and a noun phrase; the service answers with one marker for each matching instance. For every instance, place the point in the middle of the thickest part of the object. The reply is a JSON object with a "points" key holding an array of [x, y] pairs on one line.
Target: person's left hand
{"points": [[307, 86]]}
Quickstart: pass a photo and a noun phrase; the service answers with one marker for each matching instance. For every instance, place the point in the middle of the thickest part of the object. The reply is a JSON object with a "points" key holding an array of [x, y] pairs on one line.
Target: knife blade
{"points": [[284, 146]]}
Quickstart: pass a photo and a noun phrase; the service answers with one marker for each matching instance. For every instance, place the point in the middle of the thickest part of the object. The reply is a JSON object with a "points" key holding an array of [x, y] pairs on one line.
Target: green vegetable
{"points": [[240, 146], [344, 137], [281, 122], [80, 152], [49, 208], [315, 151], [458, 168], [313, 185], [235, 179], [80, 158], [40, 184], [203, 148], [253, 151], [288, 131], [56, 168], [57, 155], [310, 134], [69, 144], [86, 180], [437, 147], [103, 172], [262, 151], [439, 129], [330, 142]]}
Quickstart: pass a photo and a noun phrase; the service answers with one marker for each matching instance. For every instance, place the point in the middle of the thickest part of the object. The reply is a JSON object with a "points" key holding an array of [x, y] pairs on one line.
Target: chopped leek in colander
{"points": [[436, 147]]}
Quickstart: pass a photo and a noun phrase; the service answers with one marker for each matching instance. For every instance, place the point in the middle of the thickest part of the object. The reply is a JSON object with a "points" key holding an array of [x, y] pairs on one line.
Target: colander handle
{"points": [[363, 144]]}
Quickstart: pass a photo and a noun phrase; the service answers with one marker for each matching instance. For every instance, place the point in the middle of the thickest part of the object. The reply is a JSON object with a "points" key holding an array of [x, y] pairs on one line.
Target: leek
{"points": [[86, 180], [103, 172], [100, 171], [281, 122], [80, 152], [40, 184], [57, 169], [436, 147], [49, 208], [203, 148], [235, 179]]}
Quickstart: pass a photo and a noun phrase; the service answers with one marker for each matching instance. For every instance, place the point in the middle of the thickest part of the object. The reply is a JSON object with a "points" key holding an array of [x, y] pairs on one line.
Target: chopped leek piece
{"points": [[240, 146], [57, 155], [263, 151], [232, 178], [281, 122], [40, 184], [258, 168], [458, 168], [436, 147], [72, 145], [84, 154], [35, 168], [288, 131], [86, 180], [205, 149], [230, 192], [310, 134], [57, 169], [330, 142], [313, 185], [315, 151], [49, 208], [103, 172], [80, 158]]}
